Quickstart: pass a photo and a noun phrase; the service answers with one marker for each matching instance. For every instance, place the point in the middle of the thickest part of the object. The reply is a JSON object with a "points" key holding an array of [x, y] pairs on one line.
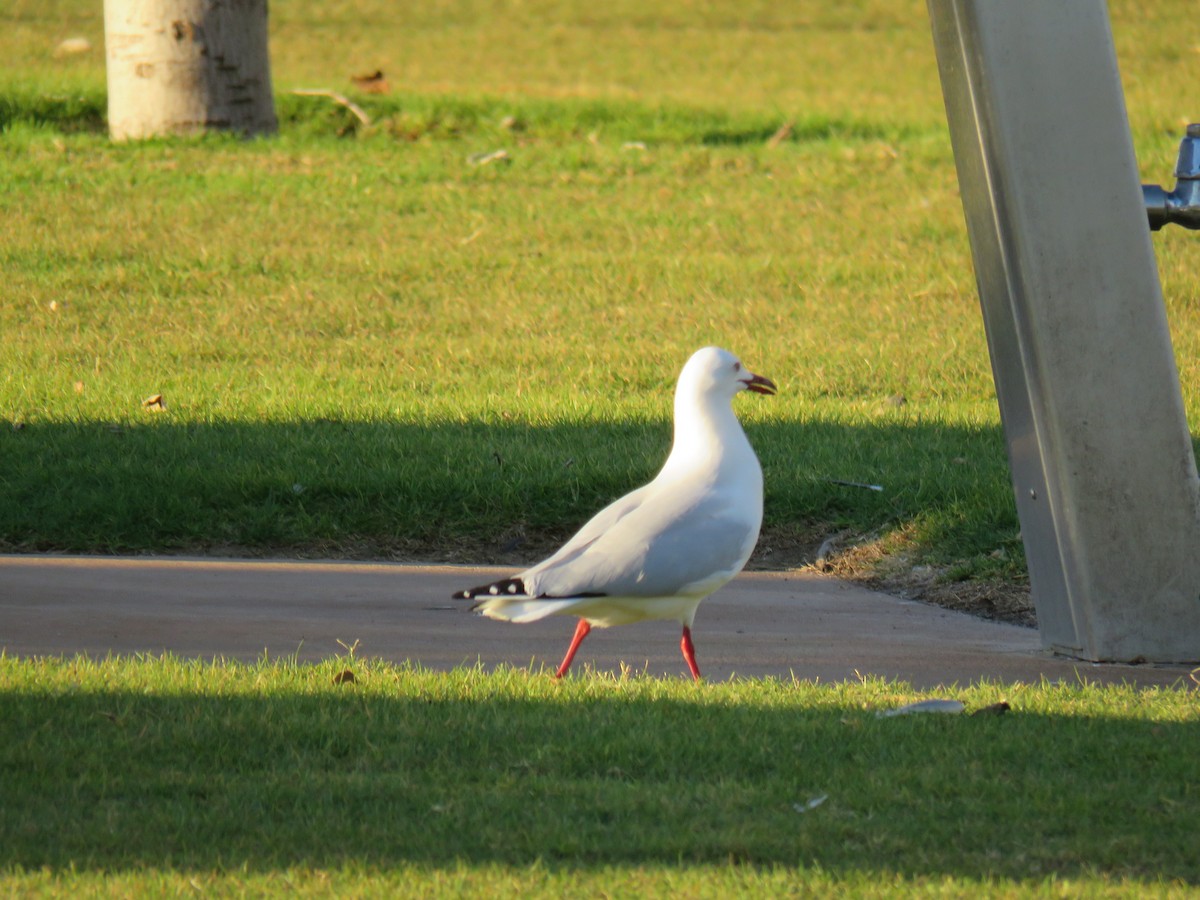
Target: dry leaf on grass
{"points": [[372, 83]]}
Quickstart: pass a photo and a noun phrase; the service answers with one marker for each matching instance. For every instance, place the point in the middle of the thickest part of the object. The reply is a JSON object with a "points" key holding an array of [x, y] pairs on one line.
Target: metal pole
{"points": [[1102, 461]]}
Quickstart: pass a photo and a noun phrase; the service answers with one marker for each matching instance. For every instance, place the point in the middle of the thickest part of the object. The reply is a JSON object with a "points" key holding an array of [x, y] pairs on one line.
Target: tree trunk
{"points": [[187, 66]]}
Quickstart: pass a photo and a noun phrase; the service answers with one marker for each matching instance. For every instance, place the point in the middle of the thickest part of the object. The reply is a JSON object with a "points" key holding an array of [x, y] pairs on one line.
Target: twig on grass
{"points": [[826, 550], [340, 99], [782, 134], [855, 484]]}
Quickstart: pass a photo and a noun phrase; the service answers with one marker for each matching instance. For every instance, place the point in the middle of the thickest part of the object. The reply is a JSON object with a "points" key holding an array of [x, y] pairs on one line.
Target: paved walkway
{"points": [[804, 624]]}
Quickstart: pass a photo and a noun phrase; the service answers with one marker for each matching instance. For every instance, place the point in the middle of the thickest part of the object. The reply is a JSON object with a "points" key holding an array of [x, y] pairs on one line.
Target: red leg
{"points": [[689, 652], [581, 631]]}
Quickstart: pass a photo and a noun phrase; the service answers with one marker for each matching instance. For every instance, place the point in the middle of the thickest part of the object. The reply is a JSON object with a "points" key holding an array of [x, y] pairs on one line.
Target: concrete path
{"points": [[762, 624]]}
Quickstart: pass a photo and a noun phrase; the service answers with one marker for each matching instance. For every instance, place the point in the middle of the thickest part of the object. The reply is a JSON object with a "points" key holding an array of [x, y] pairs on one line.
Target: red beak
{"points": [[759, 384]]}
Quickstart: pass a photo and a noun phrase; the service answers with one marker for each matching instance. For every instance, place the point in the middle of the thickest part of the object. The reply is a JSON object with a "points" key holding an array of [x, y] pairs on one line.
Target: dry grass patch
{"points": [[889, 563]]}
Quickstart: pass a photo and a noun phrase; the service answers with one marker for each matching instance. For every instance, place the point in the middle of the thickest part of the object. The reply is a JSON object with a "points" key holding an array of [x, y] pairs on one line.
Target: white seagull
{"points": [[660, 550]]}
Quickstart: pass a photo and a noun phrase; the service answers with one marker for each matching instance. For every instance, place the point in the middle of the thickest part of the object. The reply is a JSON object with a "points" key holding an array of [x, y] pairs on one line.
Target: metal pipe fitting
{"points": [[1182, 205]]}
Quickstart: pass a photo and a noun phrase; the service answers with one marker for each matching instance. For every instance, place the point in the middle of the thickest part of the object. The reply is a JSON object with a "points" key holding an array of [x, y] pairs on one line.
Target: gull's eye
{"points": [[737, 367]]}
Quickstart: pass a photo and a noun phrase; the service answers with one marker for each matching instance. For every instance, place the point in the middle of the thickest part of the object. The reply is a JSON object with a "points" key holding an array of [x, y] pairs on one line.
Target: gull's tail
{"points": [[509, 601]]}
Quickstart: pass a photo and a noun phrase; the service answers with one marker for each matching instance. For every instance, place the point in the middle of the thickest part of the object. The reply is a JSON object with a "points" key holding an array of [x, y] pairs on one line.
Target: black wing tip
{"points": [[505, 587]]}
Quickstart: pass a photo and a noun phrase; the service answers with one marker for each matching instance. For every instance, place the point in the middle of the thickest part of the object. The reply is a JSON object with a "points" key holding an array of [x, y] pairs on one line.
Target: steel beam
{"points": [[1102, 461]]}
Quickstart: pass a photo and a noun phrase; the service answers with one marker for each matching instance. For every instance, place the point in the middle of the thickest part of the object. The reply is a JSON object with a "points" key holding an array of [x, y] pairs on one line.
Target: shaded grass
{"points": [[163, 769], [430, 486], [67, 113], [411, 117]]}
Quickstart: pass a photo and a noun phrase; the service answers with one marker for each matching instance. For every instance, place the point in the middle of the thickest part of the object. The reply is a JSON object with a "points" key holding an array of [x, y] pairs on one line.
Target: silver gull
{"points": [[658, 551]]}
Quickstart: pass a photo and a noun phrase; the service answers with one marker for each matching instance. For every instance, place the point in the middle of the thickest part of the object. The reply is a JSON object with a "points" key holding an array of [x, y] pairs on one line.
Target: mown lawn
{"points": [[162, 775], [370, 345]]}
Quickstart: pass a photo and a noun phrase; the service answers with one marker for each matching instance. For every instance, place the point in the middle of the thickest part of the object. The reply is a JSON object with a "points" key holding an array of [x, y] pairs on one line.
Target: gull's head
{"points": [[715, 372]]}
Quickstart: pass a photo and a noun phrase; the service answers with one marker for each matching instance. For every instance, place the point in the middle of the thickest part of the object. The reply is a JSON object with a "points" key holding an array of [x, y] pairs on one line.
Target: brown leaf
{"points": [[372, 83]]}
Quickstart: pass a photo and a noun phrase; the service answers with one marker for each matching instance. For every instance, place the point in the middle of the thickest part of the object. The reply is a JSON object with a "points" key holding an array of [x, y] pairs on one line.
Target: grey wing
{"points": [[657, 551], [597, 526]]}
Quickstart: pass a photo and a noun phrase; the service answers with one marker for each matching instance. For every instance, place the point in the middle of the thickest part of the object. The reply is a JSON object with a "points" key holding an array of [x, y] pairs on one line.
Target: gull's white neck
{"points": [[708, 438]]}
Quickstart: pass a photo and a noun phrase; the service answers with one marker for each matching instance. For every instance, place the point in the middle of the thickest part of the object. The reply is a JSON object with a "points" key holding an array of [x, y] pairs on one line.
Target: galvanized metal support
{"points": [[1102, 460]]}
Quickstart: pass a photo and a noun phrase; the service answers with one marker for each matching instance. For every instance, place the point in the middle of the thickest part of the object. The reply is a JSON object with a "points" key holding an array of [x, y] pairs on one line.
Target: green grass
{"points": [[156, 774], [369, 346]]}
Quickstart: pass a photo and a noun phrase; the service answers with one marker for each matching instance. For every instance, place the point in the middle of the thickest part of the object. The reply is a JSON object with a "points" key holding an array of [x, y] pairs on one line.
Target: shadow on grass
{"points": [[113, 780], [448, 117], [803, 131], [83, 112], [405, 489]]}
